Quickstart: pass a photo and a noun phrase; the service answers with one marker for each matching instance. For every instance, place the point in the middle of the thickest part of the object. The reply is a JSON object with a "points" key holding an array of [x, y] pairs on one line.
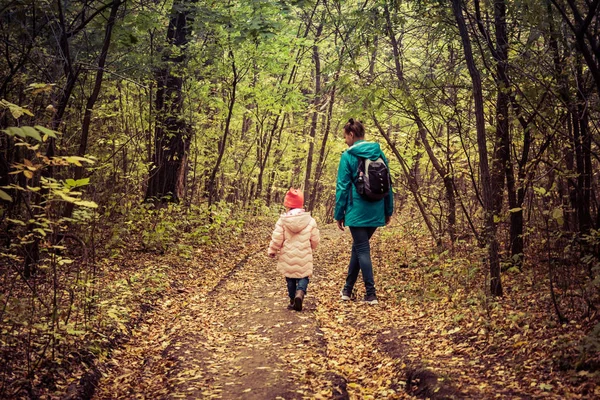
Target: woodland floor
{"points": [[223, 331]]}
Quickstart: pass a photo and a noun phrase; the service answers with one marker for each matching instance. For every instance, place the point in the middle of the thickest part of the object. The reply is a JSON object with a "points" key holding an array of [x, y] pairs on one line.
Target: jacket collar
{"points": [[358, 142]]}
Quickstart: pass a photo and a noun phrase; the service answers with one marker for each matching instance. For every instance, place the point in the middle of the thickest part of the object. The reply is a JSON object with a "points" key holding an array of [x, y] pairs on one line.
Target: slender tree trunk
{"points": [[31, 250], [582, 145], [423, 131], [321, 161], [308, 190], [264, 157], [563, 90], [501, 156], [586, 35], [91, 102], [276, 160], [488, 200], [211, 187], [413, 185]]}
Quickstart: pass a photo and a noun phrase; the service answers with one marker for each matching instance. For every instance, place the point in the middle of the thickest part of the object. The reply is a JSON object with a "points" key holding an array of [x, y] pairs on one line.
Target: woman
{"points": [[360, 215]]}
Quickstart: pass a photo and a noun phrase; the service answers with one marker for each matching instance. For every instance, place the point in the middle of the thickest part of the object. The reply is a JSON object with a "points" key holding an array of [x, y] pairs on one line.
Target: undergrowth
{"points": [[117, 263], [451, 285]]}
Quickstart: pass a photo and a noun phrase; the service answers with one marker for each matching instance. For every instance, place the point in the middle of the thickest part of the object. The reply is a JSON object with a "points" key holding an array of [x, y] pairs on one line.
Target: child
{"points": [[295, 237]]}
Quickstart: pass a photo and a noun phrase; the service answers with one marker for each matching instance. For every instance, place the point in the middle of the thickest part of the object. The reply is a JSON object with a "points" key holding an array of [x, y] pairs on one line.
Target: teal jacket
{"points": [[349, 205]]}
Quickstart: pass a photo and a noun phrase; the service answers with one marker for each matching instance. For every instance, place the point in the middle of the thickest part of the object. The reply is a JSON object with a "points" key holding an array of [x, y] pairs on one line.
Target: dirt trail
{"points": [[248, 344], [235, 341], [227, 334]]}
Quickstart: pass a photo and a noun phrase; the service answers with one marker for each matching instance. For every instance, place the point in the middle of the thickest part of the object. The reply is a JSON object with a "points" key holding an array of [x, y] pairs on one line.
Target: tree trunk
{"points": [[31, 250], [321, 161], [276, 160], [423, 131], [308, 192], [488, 200], [172, 137], [582, 144], [413, 186], [91, 102], [503, 143], [586, 35], [501, 156], [263, 158], [211, 187]]}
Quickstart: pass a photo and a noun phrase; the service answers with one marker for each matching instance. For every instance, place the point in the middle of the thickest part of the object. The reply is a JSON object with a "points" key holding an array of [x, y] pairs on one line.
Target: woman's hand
{"points": [[340, 224]]}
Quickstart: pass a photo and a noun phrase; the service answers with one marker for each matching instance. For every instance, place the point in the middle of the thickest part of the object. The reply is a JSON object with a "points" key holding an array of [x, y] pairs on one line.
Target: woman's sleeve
{"points": [[342, 188]]}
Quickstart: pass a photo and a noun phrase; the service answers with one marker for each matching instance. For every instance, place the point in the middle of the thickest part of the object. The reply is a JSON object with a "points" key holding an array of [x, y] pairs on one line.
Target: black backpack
{"points": [[373, 181]]}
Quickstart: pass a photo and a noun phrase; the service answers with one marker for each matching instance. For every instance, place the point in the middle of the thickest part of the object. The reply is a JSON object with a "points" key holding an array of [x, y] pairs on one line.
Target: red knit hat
{"points": [[294, 199]]}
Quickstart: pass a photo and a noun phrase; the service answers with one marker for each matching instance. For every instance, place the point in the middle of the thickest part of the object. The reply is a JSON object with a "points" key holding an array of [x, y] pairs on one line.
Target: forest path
{"points": [[227, 333], [236, 339]]}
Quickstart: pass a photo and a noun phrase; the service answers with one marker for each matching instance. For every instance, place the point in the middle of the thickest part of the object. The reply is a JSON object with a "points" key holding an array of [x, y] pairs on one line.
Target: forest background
{"points": [[161, 126]]}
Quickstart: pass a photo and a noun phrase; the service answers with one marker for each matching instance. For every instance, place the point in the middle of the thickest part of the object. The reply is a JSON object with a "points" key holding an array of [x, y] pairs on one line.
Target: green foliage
{"points": [[275, 49], [42, 251], [173, 229]]}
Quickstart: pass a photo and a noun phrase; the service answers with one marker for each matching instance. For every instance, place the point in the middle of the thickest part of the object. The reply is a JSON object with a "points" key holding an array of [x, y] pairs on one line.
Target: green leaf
{"points": [[29, 131], [68, 198], [77, 160], [5, 196], [557, 215], [516, 209], [76, 183], [84, 203], [37, 88], [14, 131], [16, 111], [47, 131]]}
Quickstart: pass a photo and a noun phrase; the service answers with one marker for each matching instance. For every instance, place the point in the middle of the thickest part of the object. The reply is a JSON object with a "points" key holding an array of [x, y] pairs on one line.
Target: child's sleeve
{"points": [[276, 238], [315, 235]]}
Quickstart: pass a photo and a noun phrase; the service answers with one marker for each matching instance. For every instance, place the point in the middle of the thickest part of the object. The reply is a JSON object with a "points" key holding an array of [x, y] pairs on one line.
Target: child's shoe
{"points": [[298, 300], [291, 305]]}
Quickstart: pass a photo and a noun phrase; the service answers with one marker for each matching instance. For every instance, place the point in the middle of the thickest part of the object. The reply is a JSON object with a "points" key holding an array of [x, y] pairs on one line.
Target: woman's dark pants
{"points": [[361, 260]]}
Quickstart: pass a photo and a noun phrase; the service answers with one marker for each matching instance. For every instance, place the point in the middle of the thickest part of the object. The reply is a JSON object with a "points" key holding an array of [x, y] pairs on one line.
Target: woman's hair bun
{"points": [[351, 121]]}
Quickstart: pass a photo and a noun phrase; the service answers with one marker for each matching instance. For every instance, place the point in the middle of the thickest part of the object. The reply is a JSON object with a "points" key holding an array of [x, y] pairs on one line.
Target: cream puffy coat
{"points": [[295, 237]]}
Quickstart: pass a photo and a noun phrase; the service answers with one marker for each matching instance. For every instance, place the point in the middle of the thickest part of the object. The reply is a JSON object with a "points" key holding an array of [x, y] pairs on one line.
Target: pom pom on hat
{"points": [[294, 198]]}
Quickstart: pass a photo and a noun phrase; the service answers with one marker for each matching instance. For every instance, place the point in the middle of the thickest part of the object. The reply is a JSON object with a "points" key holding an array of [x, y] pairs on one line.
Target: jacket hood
{"points": [[295, 223], [364, 149]]}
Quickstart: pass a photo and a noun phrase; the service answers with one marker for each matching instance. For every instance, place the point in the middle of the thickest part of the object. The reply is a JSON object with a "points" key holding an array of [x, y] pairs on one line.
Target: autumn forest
{"points": [[146, 147]]}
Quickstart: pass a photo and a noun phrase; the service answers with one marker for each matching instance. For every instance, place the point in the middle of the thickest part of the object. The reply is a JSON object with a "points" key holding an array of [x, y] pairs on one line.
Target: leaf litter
{"points": [[229, 335]]}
